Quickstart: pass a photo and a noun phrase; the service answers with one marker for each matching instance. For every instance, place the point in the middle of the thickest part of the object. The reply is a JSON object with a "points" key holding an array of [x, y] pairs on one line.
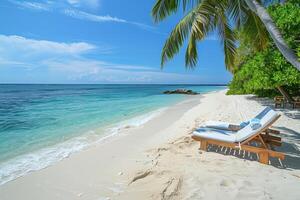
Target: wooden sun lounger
{"points": [[279, 102], [269, 136], [294, 102], [264, 140]]}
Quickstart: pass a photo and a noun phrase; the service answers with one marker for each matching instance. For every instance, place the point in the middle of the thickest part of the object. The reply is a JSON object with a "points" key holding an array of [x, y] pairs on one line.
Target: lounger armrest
{"points": [[272, 131]]}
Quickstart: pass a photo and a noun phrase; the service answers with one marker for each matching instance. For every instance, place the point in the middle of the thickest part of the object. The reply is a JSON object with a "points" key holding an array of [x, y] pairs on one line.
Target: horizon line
{"points": [[204, 84]]}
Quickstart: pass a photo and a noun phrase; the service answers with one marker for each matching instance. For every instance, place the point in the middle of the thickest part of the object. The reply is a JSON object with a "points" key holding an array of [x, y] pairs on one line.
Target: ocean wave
{"points": [[137, 121], [24, 164]]}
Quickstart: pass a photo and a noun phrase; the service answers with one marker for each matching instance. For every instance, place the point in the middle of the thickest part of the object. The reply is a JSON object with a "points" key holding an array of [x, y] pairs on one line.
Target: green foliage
{"points": [[264, 70], [261, 71], [287, 19], [202, 17]]}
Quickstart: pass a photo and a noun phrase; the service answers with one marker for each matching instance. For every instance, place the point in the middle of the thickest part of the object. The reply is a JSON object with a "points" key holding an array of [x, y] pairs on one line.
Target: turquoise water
{"points": [[40, 124]]}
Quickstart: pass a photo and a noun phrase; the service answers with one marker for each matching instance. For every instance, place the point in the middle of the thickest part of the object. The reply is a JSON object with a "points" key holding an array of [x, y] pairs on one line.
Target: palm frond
{"points": [[189, 3], [236, 11], [177, 37], [256, 30], [164, 8], [191, 54], [227, 36], [203, 17], [196, 24]]}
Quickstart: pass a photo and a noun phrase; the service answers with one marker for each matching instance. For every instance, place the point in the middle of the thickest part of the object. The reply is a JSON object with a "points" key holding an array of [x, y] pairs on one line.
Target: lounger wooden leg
{"points": [[203, 145], [264, 157]]}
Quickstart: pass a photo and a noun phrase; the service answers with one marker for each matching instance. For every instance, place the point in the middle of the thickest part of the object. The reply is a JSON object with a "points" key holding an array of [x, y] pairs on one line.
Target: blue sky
{"points": [[95, 41]]}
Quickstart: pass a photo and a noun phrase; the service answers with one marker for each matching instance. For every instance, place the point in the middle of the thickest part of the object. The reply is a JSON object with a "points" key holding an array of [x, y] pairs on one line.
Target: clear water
{"points": [[40, 124]]}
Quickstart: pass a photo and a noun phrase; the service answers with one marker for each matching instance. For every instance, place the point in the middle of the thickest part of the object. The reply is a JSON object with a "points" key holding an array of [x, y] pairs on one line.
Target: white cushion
{"points": [[247, 131], [216, 124], [225, 125], [216, 134], [239, 136]]}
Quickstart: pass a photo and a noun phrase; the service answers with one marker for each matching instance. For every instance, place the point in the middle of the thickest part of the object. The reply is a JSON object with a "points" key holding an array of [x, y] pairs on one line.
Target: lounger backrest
{"points": [[248, 132], [263, 113]]}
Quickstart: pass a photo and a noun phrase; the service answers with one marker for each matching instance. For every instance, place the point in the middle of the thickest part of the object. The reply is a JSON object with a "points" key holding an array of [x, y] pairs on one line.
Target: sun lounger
{"points": [[279, 102], [294, 102], [235, 127], [244, 138]]}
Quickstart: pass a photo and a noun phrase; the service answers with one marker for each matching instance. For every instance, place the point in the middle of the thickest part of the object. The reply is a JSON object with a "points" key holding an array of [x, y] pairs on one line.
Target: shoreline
{"points": [[48, 156], [107, 145], [159, 158]]}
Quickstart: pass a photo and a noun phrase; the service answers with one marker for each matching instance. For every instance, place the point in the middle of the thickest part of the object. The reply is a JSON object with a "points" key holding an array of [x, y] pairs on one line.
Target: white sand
{"points": [[159, 160]]}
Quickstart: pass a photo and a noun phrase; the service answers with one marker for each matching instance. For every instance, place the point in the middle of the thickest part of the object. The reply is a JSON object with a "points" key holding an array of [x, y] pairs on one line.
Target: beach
{"points": [[149, 100], [159, 160]]}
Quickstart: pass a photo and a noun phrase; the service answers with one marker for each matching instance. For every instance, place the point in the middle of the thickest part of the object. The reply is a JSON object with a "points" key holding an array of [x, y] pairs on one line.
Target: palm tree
{"points": [[206, 16]]}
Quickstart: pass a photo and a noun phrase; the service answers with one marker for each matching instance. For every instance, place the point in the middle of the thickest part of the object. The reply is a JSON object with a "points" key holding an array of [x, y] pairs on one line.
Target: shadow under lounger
{"points": [[244, 138]]}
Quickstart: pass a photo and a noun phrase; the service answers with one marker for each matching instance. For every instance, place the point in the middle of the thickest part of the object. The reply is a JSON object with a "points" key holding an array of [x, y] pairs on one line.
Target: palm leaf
{"points": [[236, 11], [164, 8], [195, 24], [227, 37], [191, 54], [256, 30], [203, 17], [177, 37]]}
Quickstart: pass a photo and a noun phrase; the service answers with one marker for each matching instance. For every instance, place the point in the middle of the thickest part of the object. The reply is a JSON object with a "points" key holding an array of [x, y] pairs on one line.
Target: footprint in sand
{"points": [[224, 183], [171, 189], [140, 175], [227, 182]]}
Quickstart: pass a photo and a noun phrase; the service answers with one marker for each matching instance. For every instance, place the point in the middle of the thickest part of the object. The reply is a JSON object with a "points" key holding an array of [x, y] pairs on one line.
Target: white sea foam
{"points": [[24, 164], [40, 159], [136, 121]]}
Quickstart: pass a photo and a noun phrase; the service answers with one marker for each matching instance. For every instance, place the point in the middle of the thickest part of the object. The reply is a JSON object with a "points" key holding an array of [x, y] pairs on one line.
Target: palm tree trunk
{"points": [[285, 94], [274, 32]]}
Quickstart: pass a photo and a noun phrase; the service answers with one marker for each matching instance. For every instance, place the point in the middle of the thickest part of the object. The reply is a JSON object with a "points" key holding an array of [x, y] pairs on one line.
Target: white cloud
{"points": [[12, 62], [21, 52], [92, 4], [128, 67], [68, 10], [90, 17], [68, 60], [31, 46], [99, 18], [123, 76], [32, 5], [78, 68], [84, 67], [101, 72]]}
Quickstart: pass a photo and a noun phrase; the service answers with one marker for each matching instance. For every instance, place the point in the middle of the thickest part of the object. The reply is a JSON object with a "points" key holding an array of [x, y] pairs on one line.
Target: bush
{"points": [[262, 71]]}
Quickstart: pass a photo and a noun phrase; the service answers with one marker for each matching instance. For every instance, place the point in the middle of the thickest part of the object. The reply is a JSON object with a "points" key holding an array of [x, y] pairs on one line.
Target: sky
{"points": [[96, 41]]}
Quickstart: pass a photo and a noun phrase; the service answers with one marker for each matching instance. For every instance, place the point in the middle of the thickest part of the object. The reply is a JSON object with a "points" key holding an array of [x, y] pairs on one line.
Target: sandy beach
{"points": [[159, 160]]}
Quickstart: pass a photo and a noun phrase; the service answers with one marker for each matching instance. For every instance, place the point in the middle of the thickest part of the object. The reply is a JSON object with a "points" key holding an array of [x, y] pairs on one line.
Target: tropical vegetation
{"points": [[260, 39], [261, 71], [222, 16]]}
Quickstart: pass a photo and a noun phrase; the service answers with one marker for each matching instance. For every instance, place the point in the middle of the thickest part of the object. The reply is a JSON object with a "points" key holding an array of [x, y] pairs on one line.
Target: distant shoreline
{"points": [[112, 84]]}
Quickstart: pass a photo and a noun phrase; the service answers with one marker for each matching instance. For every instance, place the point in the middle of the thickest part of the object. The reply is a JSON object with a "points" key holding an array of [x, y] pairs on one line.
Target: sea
{"points": [[41, 124]]}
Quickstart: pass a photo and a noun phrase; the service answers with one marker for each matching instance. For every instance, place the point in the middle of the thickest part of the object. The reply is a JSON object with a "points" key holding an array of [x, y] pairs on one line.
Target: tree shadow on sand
{"points": [[287, 111], [290, 147]]}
